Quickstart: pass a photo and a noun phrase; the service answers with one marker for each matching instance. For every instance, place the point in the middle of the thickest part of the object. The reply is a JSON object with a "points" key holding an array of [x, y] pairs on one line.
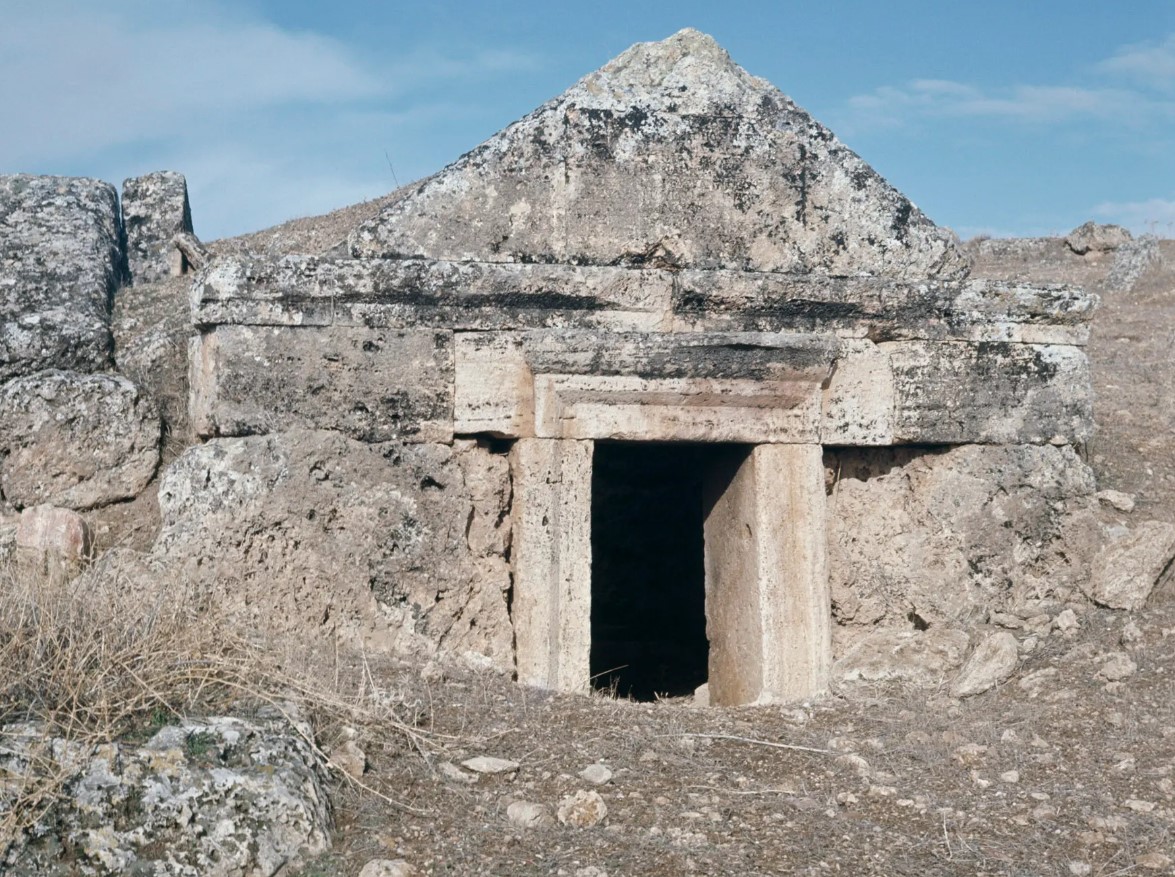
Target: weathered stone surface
{"points": [[313, 291], [372, 384], [994, 392], [59, 263], [584, 809], [745, 387], [151, 326], [219, 797], [1094, 238], [1023, 313], [940, 537], [61, 535], [307, 290], [992, 662], [77, 441], [311, 535], [1126, 570], [552, 558], [605, 174], [154, 210], [766, 564], [922, 658]]}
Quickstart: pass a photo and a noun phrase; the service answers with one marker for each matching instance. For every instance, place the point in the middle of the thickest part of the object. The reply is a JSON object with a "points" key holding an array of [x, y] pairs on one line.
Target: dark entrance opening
{"points": [[648, 569]]}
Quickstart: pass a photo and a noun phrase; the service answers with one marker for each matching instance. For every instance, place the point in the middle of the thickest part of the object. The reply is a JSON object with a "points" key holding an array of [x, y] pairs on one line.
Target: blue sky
{"points": [[1002, 117]]}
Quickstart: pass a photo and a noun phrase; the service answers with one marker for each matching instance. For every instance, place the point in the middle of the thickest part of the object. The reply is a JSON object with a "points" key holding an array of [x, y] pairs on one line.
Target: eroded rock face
{"points": [[154, 209], [312, 534], [217, 798], [930, 537], [59, 264], [669, 156], [76, 441]]}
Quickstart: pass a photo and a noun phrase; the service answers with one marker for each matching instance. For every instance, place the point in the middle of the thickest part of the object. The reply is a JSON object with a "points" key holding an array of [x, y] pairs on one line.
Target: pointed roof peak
{"points": [[686, 72]]}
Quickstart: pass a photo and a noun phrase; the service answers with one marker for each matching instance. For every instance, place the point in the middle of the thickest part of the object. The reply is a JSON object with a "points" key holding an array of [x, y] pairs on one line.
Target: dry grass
{"points": [[103, 657]]}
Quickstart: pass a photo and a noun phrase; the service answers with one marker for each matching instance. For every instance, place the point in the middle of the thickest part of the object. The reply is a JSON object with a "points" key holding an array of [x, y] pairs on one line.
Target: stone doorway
{"points": [[648, 608], [766, 583]]}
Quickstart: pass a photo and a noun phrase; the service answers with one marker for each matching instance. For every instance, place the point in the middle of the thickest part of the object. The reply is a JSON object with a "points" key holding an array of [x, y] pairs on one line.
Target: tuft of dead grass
{"points": [[107, 656]]}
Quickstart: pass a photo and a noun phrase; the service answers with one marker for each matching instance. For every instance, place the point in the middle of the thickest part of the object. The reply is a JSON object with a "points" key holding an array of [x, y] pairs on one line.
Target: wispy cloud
{"points": [[1154, 215], [1032, 104], [77, 76], [257, 115], [1037, 104], [1151, 64]]}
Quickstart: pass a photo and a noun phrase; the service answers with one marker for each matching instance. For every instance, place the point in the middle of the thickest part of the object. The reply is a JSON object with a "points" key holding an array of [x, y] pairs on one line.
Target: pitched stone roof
{"points": [[671, 155]]}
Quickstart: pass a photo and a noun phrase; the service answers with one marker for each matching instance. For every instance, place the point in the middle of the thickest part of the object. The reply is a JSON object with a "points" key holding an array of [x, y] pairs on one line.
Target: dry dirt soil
{"points": [[1066, 769]]}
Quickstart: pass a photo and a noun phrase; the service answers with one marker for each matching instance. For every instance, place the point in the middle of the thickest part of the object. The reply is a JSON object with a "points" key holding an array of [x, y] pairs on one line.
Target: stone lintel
{"points": [[768, 614], [371, 384], [552, 551], [734, 387]]}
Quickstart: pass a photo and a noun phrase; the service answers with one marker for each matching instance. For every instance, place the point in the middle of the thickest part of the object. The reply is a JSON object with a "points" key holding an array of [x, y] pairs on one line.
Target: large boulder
{"points": [[155, 209], [670, 155], [314, 536], [220, 797], [1126, 570], [60, 261], [1094, 238], [76, 441], [924, 537]]}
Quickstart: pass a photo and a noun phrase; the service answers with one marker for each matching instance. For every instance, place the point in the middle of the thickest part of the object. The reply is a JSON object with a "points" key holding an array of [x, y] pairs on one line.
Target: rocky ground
{"points": [[1067, 768]]}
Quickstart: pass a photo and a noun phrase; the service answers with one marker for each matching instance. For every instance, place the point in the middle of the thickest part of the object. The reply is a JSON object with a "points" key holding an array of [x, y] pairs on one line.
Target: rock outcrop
{"points": [[942, 537], [60, 261], [219, 797]]}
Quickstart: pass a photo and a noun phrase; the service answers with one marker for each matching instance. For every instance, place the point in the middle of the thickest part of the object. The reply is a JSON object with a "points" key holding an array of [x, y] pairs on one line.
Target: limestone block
{"points": [[59, 263], [217, 797], [851, 307], [605, 173], [552, 558], [312, 536], [154, 210], [1127, 569], [938, 537], [767, 600], [310, 290], [859, 400], [993, 310], [61, 535], [372, 384], [77, 441], [494, 390], [958, 392], [152, 326]]}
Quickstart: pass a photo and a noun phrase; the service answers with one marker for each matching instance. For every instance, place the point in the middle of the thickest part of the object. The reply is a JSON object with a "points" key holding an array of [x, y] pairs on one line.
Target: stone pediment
{"points": [[669, 156]]}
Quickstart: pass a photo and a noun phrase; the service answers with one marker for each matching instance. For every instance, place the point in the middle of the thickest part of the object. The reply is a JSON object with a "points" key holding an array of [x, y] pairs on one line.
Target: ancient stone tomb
{"points": [[674, 306]]}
